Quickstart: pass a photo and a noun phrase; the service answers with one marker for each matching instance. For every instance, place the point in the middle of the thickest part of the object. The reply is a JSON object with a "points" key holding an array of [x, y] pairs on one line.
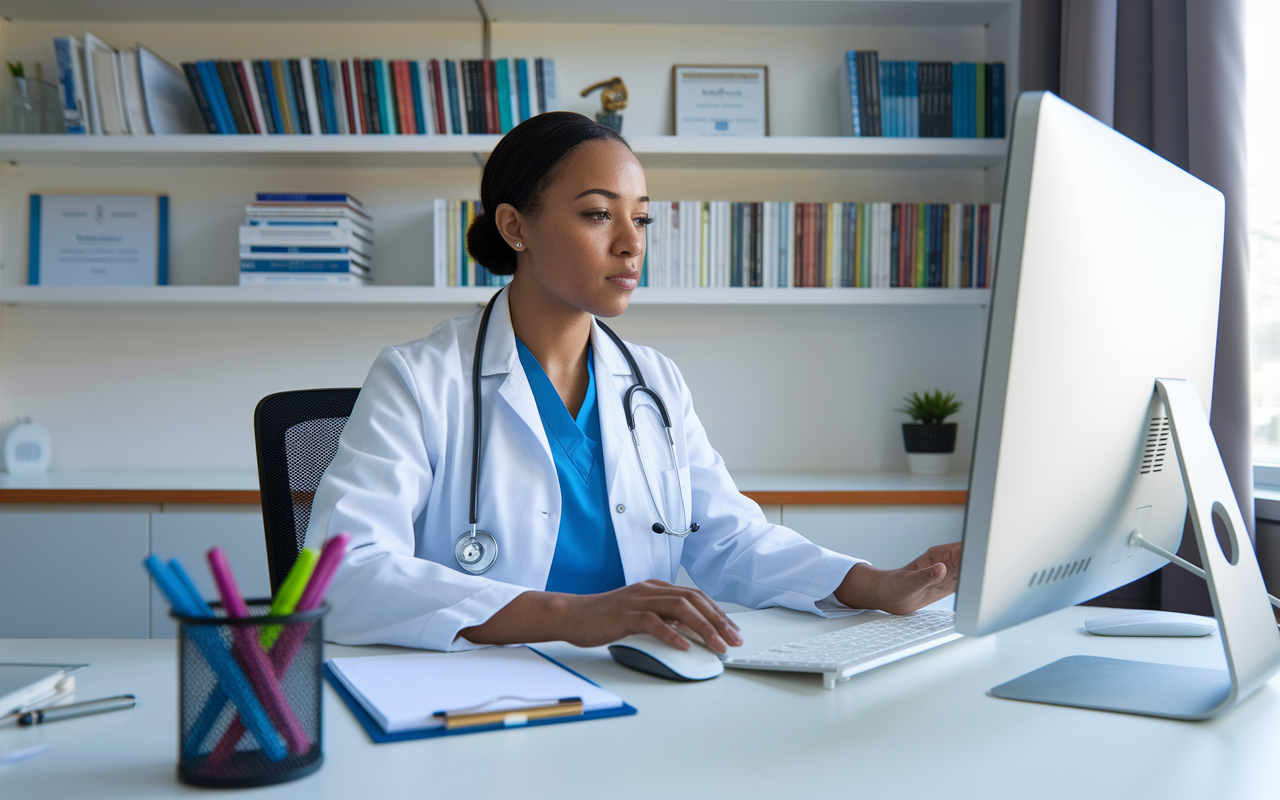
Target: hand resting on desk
{"points": [[658, 608]]}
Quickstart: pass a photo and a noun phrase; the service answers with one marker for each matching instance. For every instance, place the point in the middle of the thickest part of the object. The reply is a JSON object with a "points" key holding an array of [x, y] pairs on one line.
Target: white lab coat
{"points": [[400, 485]]}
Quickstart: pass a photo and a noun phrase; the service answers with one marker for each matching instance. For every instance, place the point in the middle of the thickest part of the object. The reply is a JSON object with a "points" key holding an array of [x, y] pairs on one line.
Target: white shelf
{"points": [[680, 12], [772, 152], [247, 480], [430, 295]]}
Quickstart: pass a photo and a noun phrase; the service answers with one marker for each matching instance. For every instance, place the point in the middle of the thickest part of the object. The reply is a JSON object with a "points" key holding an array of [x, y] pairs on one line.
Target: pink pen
{"points": [[249, 652], [292, 636]]}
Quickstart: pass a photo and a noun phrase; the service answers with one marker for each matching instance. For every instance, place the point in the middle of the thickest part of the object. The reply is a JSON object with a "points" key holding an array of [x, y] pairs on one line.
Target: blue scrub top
{"points": [[586, 560]]}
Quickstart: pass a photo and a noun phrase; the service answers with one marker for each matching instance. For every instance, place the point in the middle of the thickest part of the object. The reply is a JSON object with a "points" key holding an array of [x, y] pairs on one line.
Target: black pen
{"points": [[72, 710]]}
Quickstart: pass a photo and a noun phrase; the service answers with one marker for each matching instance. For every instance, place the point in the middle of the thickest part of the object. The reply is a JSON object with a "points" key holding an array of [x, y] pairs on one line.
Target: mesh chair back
{"points": [[297, 436]]}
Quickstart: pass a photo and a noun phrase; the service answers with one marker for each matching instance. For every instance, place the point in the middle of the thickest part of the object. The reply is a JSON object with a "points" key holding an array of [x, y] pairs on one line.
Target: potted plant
{"points": [[930, 440]]}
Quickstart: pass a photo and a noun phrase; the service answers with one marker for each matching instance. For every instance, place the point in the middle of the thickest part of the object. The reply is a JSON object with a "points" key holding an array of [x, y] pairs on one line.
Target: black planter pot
{"points": [[936, 438]]}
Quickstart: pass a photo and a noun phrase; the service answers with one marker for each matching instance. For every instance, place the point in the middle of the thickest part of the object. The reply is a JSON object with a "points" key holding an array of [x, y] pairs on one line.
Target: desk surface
{"points": [[240, 487], [923, 727]]}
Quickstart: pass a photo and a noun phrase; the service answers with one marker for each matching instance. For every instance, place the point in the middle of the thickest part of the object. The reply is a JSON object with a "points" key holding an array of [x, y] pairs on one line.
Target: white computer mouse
{"points": [[648, 654], [1152, 623]]}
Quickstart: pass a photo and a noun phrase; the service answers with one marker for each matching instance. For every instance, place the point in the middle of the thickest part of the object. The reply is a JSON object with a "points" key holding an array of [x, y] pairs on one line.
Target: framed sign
{"points": [[720, 100], [99, 240]]}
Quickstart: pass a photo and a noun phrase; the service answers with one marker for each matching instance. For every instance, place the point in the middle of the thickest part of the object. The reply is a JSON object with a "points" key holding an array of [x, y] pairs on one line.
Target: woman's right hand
{"points": [[654, 607]]}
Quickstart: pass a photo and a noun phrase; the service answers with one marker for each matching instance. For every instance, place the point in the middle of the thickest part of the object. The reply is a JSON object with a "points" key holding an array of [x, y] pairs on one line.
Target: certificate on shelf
{"points": [[99, 240], [721, 100]]}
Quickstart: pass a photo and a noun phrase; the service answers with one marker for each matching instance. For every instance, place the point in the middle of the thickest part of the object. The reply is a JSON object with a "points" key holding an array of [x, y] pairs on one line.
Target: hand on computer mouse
{"points": [[926, 580]]}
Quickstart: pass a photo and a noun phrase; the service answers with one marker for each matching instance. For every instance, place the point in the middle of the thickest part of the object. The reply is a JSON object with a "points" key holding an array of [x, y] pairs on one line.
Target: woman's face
{"points": [[585, 245]]}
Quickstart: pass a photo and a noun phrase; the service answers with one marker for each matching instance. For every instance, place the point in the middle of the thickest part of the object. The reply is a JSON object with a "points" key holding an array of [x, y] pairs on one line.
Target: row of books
{"points": [[452, 265], [371, 96], [306, 239], [103, 90], [699, 244], [921, 98]]}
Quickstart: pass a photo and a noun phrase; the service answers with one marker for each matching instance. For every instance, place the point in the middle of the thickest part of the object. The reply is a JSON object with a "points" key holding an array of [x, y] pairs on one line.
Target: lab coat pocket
{"points": [[674, 486]]}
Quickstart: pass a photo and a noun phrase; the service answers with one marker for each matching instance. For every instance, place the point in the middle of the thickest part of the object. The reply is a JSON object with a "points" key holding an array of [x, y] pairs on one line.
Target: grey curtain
{"points": [[1170, 75]]}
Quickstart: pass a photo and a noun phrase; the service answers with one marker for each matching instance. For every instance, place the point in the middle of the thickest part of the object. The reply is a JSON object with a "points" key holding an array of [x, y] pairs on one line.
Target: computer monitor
{"points": [[1106, 281]]}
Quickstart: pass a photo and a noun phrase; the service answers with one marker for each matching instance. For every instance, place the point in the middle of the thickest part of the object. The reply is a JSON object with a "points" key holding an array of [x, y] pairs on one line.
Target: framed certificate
{"points": [[99, 240], [720, 100]]}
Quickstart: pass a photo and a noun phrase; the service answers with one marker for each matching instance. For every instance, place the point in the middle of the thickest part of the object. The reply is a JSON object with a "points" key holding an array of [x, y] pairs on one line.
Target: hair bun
{"points": [[488, 248]]}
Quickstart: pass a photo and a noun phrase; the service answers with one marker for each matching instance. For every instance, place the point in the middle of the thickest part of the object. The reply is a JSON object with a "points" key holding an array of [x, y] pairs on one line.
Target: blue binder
{"points": [[380, 736]]}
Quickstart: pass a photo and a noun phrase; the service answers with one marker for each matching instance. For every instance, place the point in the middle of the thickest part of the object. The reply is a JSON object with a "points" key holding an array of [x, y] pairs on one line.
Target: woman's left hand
{"points": [[926, 580]]}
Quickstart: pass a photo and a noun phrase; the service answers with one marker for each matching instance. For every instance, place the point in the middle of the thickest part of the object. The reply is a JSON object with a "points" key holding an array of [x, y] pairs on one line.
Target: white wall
{"points": [[777, 388]]}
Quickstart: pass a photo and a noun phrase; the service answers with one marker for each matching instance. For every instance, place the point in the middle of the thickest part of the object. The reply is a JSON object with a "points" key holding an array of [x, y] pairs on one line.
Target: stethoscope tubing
{"points": [[474, 541]]}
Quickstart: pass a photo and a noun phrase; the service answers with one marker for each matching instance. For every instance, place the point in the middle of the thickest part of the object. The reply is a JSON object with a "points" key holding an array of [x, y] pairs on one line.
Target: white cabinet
{"points": [[887, 536], [187, 537], [68, 575]]}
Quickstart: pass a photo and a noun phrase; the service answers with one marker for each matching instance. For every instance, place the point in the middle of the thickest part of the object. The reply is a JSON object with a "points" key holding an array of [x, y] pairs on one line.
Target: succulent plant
{"points": [[930, 408]]}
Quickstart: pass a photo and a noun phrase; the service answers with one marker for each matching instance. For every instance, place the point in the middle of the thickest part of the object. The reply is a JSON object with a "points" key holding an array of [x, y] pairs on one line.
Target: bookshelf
{"points": [[147, 356]]}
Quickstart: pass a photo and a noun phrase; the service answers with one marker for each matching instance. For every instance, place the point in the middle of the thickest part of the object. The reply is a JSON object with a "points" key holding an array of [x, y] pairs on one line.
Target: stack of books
{"points": [[700, 244], [921, 98], [453, 265], [371, 96], [306, 240]]}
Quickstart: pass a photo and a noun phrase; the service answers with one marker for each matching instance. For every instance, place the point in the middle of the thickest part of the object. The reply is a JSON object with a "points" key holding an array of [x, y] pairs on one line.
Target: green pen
{"points": [[286, 600]]}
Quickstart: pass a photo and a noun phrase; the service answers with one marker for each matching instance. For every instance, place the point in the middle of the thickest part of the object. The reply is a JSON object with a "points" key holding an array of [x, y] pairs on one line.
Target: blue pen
{"points": [[215, 652], [217, 698]]}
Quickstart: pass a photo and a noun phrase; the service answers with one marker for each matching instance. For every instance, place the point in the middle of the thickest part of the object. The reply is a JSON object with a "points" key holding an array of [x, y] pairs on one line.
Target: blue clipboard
{"points": [[379, 736]]}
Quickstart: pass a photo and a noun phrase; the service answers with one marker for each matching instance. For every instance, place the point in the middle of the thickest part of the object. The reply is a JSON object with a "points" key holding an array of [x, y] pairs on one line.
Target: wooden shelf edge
{"points": [[252, 497], [861, 498], [132, 496]]}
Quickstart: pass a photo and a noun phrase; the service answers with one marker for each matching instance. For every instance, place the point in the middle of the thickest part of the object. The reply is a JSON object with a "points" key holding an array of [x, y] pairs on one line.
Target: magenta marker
{"points": [[248, 651]]}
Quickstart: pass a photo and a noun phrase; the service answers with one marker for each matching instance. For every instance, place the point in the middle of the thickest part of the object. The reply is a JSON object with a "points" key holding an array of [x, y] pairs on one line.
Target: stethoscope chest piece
{"points": [[476, 551]]}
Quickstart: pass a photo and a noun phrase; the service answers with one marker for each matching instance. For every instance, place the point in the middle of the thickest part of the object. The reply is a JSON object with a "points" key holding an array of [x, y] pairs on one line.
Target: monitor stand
{"points": [[1240, 602]]}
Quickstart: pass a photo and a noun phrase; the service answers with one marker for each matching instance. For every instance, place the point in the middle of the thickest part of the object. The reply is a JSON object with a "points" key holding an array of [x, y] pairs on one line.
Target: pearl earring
{"points": [[519, 245]]}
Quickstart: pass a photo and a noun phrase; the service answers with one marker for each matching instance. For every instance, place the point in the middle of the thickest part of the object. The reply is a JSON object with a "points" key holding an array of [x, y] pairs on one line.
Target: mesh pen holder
{"points": [[249, 710]]}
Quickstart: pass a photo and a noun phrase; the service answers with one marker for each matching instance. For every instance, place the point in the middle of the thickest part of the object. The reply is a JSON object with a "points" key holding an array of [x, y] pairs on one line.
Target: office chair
{"points": [[297, 436]]}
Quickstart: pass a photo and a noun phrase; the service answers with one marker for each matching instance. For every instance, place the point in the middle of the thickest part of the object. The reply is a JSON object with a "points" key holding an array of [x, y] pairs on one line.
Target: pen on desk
{"points": [[564, 707], [73, 710]]}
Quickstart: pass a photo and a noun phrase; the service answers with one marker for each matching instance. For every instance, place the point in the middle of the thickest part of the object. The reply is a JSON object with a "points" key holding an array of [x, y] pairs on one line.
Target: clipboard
{"points": [[379, 736]]}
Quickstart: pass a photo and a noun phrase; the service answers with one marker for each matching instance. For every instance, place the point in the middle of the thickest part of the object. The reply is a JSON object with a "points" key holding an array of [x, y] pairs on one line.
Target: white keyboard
{"points": [[859, 647]]}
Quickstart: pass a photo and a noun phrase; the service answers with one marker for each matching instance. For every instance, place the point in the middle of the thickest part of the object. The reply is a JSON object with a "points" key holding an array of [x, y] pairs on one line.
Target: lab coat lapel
{"points": [[613, 378], [643, 556], [500, 357]]}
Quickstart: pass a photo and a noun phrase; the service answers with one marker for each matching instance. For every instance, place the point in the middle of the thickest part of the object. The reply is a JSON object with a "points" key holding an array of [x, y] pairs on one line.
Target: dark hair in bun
{"points": [[517, 173]]}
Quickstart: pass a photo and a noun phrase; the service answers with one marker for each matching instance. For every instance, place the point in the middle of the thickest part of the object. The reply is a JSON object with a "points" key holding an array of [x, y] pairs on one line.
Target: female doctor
{"points": [[559, 525]]}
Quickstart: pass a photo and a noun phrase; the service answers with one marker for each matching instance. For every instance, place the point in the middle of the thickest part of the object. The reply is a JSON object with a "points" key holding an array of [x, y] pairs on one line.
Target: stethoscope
{"points": [[477, 550]]}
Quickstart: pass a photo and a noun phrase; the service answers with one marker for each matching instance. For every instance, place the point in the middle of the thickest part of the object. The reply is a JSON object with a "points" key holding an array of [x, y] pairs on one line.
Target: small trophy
{"points": [[613, 97]]}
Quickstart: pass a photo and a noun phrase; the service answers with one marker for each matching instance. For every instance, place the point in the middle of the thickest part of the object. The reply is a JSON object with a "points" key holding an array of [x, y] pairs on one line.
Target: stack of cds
{"points": [[306, 239]]}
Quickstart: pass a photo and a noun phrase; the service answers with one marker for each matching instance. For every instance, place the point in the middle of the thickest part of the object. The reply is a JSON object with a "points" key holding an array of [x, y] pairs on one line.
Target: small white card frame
{"points": [[720, 100]]}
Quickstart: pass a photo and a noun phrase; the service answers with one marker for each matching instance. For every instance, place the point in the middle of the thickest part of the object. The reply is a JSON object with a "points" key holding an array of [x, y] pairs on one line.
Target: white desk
{"points": [[923, 727]]}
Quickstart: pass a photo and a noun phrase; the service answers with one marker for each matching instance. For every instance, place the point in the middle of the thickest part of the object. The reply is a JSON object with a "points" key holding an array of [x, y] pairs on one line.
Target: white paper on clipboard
{"points": [[403, 692]]}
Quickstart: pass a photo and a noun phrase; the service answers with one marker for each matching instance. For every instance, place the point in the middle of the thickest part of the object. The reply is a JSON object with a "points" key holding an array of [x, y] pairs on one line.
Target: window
{"points": [[1262, 130]]}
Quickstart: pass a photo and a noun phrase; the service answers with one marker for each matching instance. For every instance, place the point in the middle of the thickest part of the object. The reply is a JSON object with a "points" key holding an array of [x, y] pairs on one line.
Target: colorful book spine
{"points": [[66, 51]]}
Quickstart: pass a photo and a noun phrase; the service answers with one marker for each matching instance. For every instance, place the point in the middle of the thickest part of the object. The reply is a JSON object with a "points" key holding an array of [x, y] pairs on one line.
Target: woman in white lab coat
{"points": [[560, 486]]}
